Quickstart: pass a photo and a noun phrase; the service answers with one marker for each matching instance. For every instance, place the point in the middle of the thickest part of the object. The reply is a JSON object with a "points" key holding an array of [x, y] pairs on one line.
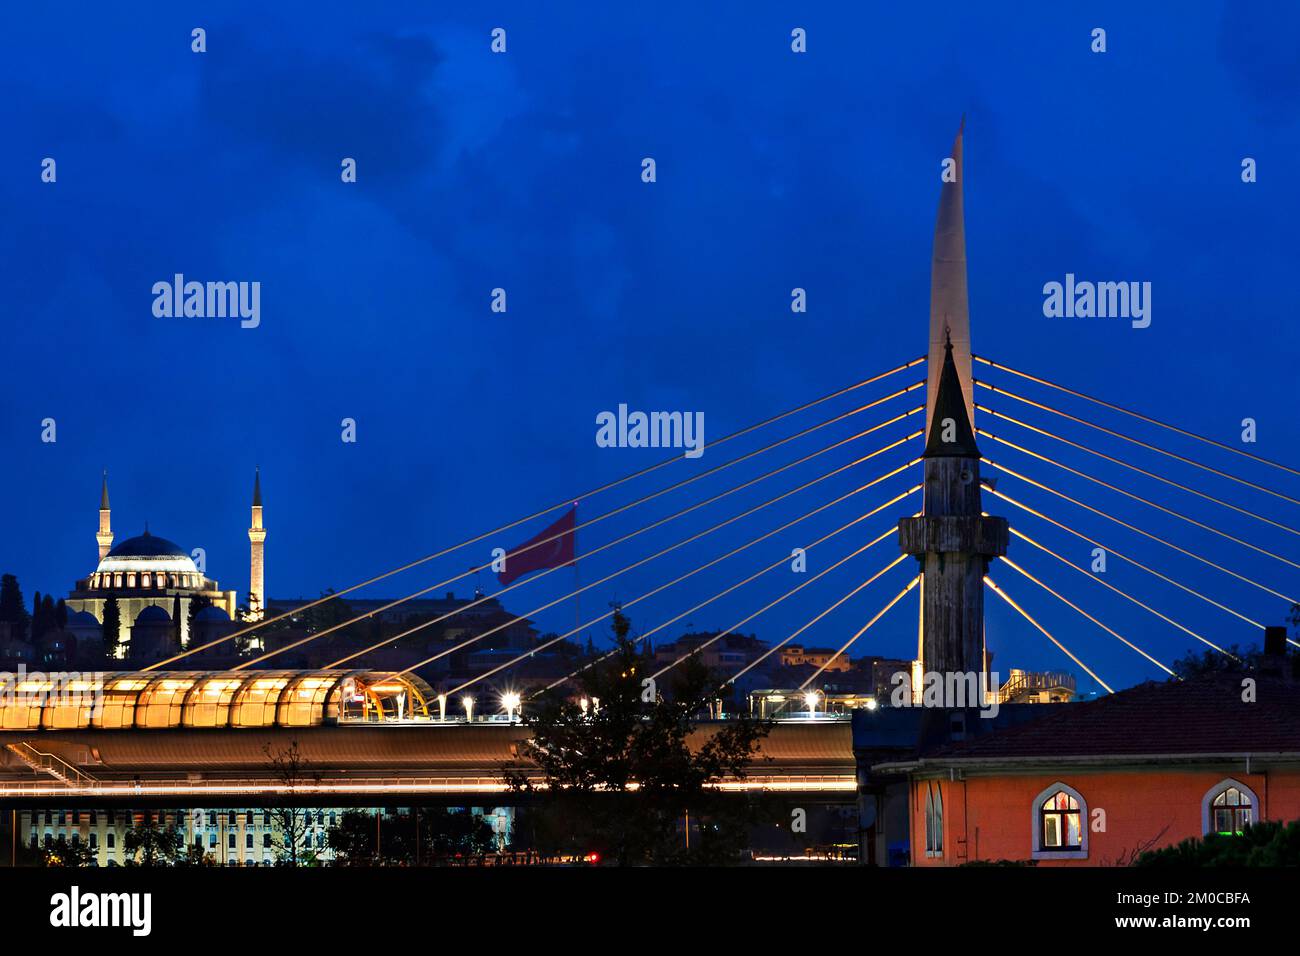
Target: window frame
{"points": [[1224, 785], [933, 819], [1041, 852]]}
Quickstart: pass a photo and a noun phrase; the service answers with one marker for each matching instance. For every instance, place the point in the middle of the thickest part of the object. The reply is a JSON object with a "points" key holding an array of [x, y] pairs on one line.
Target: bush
{"points": [[1269, 843]]}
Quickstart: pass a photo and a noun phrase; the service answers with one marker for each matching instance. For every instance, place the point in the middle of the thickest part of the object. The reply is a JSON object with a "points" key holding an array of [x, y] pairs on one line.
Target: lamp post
{"points": [[510, 702], [468, 703]]}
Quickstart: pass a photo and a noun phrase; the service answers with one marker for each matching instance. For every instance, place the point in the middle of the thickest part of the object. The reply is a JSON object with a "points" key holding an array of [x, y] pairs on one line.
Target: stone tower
{"points": [[105, 535], [256, 569], [952, 539]]}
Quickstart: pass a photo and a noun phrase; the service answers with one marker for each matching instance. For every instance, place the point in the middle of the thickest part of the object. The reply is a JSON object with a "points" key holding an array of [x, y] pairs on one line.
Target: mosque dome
{"points": [[212, 613], [147, 552], [153, 614], [82, 619]]}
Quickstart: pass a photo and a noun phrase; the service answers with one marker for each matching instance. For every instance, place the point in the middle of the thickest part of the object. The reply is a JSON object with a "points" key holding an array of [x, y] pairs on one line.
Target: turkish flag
{"points": [[538, 552]]}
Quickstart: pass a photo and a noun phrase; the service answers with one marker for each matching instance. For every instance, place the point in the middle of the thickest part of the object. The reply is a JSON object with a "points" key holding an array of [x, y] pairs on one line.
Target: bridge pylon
{"points": [[952, 540]]}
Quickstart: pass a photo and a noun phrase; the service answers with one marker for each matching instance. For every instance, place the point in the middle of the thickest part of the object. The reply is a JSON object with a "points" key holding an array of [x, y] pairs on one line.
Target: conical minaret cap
{"points": [[950, 416], [103, 493], [257, 487]]}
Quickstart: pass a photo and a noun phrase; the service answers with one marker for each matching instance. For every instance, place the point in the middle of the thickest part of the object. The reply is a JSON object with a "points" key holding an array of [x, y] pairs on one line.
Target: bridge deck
{"points": [[351, 759]]}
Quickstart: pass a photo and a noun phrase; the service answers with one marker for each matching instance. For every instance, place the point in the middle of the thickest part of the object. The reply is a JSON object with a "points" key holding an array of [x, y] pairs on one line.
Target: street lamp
{"points": [[810, 700], [510, 702], [468, 703]]}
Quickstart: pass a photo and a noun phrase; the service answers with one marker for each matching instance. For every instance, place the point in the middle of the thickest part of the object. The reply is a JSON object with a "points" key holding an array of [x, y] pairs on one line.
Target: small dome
{"points": [[82, 619], [153, 614], [212, 614]]}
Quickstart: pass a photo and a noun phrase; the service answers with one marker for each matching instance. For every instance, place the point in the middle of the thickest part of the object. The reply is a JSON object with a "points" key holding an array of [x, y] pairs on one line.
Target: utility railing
{"points": [[53, 765]]}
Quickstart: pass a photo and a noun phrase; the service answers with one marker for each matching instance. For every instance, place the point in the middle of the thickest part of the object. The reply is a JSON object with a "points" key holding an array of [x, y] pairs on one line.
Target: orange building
{"points": [[796, 655], [1097, 783]]}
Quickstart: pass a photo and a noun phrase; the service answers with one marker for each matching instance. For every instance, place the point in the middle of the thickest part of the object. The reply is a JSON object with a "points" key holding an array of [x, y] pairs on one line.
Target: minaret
{"points": [[952, 539], [256, 535], [105, 535]]}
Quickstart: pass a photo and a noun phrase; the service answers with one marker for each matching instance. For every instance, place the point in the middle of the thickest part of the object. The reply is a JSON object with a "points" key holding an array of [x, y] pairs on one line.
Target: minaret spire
{"points": [[949, 307], [256, 568], [105, 533]]}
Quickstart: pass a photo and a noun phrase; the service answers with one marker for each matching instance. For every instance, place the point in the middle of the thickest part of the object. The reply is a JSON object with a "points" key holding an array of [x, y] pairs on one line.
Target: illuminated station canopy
{"points": [[213, 699]]}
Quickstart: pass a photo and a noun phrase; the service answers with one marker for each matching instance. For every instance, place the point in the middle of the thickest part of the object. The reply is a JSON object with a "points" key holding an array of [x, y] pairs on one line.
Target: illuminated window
{"points": [[1229, 807], [933, 820], [1060, 830]]}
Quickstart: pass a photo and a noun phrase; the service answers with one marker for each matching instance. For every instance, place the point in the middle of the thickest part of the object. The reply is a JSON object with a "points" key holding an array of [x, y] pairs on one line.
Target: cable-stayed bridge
{"points": [[1114, 542], [171, 731]]}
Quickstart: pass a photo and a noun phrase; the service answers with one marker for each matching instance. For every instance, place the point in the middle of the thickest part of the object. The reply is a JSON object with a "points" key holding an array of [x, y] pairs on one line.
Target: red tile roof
{"points": [[1204, 715]]}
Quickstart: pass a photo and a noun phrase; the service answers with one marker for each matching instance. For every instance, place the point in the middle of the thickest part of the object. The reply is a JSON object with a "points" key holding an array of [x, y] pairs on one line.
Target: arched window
{"points": [[933, 820], [1060, 822], [1229, 807]]}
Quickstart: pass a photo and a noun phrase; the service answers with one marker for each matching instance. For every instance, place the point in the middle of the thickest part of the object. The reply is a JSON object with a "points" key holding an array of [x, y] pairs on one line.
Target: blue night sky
{"points": [[522, 171]]}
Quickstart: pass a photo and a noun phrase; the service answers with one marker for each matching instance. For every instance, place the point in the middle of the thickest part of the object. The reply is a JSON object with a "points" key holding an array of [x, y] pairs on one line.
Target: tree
{"points": [[195, 855], [176, 620], [40, 623], [61, 613], [151, 842], [197, 603], [12, 608], [292, 770], [1236, 661], [1269, 843], [63, 853], [422, 836], [352, 839], [112, 627], [617, 779]]}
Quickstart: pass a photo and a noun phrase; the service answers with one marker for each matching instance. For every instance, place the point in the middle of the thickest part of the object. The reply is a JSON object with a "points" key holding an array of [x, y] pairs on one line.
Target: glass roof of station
{"points": [[196, 699]]}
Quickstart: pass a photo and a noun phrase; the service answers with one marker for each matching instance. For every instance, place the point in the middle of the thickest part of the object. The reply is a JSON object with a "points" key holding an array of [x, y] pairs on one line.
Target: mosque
{"points": [[148, 575]]}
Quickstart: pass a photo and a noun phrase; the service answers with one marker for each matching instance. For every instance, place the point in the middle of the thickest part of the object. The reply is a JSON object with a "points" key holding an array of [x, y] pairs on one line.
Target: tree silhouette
{"points": [[150, 842], [294, 771], [617, 777], [12, 608], [112, 627]]}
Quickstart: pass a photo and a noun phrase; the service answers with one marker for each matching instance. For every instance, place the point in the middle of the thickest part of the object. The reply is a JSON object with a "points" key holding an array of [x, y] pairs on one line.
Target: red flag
{"points": [[551, 554]]}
